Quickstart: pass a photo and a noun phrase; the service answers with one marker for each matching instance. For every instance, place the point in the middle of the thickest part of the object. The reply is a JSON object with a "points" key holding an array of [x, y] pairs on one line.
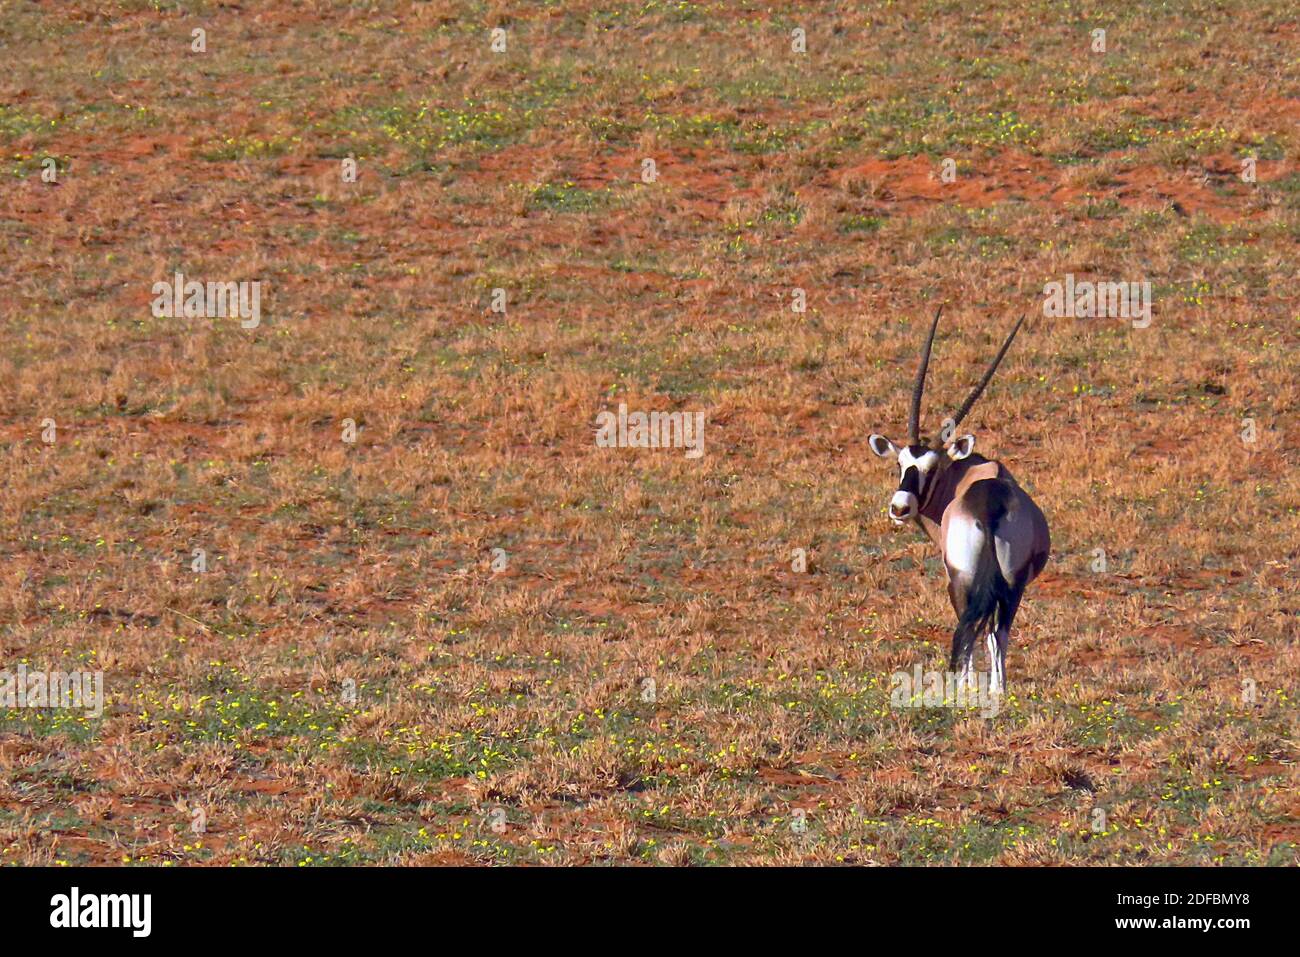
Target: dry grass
{"points": [[768, 737]]}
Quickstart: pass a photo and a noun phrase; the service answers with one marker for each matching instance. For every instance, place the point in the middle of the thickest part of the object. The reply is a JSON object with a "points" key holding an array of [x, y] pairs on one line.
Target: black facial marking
{"points": [[911, 481]]}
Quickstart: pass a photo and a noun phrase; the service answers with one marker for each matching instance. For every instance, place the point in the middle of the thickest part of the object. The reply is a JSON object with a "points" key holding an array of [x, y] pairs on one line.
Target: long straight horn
{"points": [[914, 418], [993, 367]]}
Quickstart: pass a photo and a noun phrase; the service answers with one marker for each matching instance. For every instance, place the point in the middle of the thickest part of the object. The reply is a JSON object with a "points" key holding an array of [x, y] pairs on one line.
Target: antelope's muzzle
{"points": [[902, 507]]}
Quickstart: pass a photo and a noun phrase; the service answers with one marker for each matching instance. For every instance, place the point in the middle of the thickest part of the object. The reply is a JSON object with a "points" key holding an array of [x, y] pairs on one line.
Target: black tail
{"points": [[990, 601]]}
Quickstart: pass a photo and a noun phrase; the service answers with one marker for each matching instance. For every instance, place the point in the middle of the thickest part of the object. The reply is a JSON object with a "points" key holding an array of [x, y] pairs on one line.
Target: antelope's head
{"points": [[920, 461]]}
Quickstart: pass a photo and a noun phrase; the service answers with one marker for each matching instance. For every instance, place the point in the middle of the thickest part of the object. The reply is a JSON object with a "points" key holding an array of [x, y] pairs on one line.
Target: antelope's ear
{"points": [[882, 446], [961, 447]]}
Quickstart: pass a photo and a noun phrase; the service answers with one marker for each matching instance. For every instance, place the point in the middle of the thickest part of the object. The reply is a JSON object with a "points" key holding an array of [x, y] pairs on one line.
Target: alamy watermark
{"points": [[73, 690], [179, 299], [1098, 300], [944, 689], [652, 430], [75, 909]]}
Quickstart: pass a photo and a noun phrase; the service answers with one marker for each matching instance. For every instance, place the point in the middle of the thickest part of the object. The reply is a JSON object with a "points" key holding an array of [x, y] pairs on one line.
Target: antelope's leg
{"points": [[956, 594], [996, 643], [966, 676], [1002, 637], [964, 666]]}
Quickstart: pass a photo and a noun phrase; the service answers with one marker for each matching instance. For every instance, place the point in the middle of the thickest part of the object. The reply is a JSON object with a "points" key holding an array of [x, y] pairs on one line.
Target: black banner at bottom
{"points": [[333, 907]]}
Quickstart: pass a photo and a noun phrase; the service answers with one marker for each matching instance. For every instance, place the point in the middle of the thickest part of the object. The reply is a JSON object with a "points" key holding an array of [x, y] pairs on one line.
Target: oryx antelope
{"points": [[992, 536]]}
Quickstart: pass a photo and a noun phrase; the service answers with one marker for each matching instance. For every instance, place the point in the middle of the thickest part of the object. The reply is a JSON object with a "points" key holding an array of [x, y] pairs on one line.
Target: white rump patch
{"points": [[963, 545]]}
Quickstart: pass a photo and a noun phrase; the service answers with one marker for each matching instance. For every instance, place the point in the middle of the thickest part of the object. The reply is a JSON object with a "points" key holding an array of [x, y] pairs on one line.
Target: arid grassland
{"points": [[641, 674]]}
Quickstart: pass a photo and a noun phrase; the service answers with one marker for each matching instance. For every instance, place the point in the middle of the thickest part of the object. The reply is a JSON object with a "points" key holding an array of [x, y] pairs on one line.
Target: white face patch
{"points": [[906, 503], [925, 463]]}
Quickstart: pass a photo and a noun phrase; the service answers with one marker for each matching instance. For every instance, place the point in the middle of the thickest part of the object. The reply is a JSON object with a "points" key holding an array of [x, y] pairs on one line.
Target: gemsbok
{"points": [[993, 538]]}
